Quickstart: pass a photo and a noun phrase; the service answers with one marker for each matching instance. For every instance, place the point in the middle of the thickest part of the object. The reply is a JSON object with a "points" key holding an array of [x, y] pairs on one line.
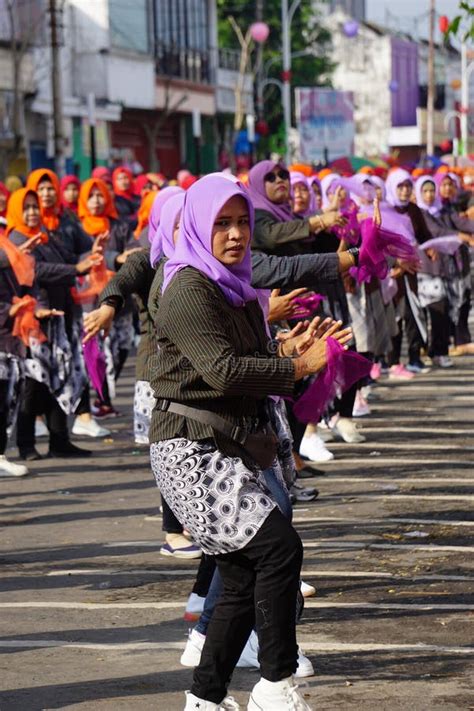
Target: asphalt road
{"points": [[91, 614]]}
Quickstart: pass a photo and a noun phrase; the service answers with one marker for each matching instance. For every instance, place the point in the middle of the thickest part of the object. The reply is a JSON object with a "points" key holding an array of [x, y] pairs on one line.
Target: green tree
{"points": [[462, 26], [313, 68]]}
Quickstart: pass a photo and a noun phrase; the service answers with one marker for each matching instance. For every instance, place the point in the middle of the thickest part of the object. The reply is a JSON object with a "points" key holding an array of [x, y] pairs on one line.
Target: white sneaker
{"points": [[304, 668], [346, 430], [194, 607], [324, 432], [192, 652], [40, 428], [193, 703], [313, 448], [307, 590], [442, 361], [10, 469], [249, 656], [361, 406], [90, 428], [276, 696]]}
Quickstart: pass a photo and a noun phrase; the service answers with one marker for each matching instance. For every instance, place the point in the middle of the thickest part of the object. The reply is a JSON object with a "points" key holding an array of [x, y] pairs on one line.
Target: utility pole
{"points": [[59, 157], [259, 6], [286, 18], [431, 85], [464, 100]]}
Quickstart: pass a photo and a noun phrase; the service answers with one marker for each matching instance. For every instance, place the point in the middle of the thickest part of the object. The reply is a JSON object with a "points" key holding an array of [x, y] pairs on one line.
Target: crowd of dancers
{"points": [[264, 308]]}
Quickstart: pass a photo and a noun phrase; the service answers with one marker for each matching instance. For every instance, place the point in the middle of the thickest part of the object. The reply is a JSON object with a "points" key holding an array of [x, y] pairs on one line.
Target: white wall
{"points": [[364, 67], [131, 81]]}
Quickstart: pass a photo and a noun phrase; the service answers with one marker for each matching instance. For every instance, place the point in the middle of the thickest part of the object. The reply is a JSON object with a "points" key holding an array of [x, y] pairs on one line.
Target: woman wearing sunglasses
{"points": [[277, 229]]}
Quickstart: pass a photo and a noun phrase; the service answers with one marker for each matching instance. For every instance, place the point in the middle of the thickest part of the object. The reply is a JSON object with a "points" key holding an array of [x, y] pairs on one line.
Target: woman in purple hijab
{"points": [[212, 380], [154, 223], [277, 229], [302, 195]]}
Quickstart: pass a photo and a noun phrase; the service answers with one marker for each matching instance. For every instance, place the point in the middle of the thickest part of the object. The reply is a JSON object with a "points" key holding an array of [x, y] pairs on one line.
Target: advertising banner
{"points": [[325, 120]]}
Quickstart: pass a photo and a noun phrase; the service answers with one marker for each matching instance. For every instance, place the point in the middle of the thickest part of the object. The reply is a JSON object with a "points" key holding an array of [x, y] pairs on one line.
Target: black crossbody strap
{"points": [[238, 434]]}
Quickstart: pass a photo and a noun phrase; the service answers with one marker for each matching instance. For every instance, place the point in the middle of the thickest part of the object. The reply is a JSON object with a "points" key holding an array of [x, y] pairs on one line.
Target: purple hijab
{"points": [[394, 179], [202, 203], [169, 215], [154, 222], [295, 178], [379, 182], [437, 205], [258, 195]]}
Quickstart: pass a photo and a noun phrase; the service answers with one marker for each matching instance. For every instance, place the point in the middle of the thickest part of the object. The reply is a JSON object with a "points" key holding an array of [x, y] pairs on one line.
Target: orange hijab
{"points": [[49, 215], [144, 212], [95, 224]]}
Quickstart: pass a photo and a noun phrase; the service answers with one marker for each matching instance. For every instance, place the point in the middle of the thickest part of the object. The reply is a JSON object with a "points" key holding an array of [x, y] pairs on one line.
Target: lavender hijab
{"points": [[169, 214], [437, 205], [203, 202], [154, 222], [295, 178], [256, 190], [394, 179]]}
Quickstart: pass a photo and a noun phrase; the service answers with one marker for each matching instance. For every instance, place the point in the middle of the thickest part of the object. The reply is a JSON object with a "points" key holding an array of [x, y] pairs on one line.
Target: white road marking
{"points": [[164, 646], [398, 547], [306, 573], [379, 521], [176, 604], [406, 445], [377, 479]]}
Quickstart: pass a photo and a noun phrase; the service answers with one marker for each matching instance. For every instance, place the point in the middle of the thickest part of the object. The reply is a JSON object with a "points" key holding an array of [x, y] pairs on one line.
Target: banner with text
{"points": [[325, 120]]}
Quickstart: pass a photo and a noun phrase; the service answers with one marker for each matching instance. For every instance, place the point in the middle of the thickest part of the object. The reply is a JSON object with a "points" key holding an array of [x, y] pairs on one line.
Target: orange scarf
{"points": [[95, 224], [15, 215], [49, 215], [23, 264], [26, 325], [98, 277], [144, 212], [129, 194]]}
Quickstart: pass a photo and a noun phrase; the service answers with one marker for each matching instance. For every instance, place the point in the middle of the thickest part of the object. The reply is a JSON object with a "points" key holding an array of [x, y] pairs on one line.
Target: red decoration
{"points": [[286, 76], [446, 146], [262, 128], [443, 24]]}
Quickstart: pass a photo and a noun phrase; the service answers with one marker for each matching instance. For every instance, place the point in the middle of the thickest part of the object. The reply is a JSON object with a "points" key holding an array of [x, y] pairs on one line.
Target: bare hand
{"points": [[93, 260], [30, 243], [122, 258], [48, 313], [315, 358], [409, 267], [432, 254], [296, 344], [100, 242], [98, 320], [377, 218], [14, 309], [283, 307]]}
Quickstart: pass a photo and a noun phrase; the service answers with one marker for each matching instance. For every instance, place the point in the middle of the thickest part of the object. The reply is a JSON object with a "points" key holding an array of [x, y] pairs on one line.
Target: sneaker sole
{"points": [[189, 556]]}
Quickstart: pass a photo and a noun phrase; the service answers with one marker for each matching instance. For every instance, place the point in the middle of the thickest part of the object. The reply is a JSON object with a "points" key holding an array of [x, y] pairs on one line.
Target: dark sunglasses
{"points": [[282, 173]]}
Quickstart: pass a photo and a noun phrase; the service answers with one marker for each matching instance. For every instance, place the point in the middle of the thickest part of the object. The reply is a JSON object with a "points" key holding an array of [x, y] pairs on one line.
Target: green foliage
{"points": [[307, 35], [462, 26]]}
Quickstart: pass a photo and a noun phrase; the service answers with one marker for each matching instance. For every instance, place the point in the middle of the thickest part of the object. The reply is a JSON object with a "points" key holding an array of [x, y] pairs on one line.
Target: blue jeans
{"points": [[281, 497]]}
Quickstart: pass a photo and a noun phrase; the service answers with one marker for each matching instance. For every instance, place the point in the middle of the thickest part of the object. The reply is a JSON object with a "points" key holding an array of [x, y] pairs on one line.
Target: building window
{"points": [[182, 39], [129, 25]]}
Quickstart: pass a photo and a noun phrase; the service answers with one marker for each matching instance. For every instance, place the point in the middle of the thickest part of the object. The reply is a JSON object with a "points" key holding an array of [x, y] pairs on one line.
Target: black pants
{"points": [[439, 345], [261, 584], [37, 400], [3, 416], [462, 334], [207, 566], [170, 522], [414, 339]]}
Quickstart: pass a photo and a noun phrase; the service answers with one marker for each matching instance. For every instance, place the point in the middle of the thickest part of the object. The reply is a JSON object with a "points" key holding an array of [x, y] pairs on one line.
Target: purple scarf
{"points": [[202, 203], [154, 222], [169, 215], [395, 179], [258, 195], [437, 205], [296, 178]]}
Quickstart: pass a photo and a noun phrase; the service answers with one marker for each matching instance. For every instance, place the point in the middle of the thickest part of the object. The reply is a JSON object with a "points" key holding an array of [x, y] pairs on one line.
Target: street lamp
{"points": [[286, 18]]}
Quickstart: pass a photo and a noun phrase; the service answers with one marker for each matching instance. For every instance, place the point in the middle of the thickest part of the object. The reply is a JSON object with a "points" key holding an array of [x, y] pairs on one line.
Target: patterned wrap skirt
{"points": [[143, 403], [216, 498], [12, 372]]}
